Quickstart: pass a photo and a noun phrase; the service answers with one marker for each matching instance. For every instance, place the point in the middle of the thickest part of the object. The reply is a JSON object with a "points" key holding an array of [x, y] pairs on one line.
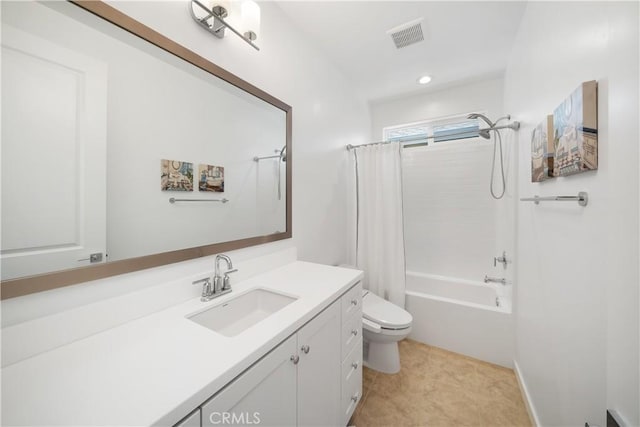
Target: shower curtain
{"points": [[375, 218]]}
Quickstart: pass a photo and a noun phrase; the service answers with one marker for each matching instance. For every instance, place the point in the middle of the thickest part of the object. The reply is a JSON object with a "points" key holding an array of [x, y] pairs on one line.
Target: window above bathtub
{"points": [[433, 131]]}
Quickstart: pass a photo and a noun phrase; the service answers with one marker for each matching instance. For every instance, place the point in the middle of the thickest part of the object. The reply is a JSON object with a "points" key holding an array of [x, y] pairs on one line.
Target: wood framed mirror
{"points": [[95, 105]]}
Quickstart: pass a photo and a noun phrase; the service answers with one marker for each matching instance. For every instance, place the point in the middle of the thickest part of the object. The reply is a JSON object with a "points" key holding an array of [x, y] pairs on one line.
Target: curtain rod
{"points": [[351, 147], [509, 126]]}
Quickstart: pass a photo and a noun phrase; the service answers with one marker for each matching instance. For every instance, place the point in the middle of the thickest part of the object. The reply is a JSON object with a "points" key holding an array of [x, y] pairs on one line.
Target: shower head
{"points": [[480, 116]]}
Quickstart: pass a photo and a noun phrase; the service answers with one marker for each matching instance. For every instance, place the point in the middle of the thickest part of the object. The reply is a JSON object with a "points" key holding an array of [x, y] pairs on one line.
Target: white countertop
{"points": [[157, 369]]}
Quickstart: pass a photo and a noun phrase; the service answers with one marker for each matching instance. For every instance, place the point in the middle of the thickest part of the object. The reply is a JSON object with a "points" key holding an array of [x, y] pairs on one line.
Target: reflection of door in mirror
{"points": [[53, 156]]}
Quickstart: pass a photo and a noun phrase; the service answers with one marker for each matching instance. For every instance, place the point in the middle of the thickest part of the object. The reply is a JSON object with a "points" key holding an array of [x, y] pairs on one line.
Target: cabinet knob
{"points": [[355, 397], [354, 302], [305, 349], [354, 332], [354, 365], [295, 359]]}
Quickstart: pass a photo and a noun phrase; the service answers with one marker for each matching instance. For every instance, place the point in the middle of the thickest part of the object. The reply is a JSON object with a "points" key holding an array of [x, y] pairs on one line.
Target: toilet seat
{"points": [[384, 313]]}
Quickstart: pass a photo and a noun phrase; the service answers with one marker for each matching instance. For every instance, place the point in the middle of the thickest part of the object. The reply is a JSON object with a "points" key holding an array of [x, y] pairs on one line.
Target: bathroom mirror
{"points": [[122, 150]]}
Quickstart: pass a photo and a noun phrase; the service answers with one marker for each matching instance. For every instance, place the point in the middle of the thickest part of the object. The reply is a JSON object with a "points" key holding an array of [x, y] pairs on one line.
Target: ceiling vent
{"points": [[407, 34]]}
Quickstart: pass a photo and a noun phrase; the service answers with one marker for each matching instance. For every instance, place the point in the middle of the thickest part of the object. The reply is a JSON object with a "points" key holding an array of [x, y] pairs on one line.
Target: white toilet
{"points": [[383, 325]]}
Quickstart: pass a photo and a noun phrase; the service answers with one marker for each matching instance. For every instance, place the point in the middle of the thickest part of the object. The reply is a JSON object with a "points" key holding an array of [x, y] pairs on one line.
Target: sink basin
{"points": [[240, 313]]}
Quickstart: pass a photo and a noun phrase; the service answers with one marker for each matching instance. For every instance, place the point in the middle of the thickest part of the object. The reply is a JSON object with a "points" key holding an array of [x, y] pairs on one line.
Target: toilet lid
{"points": [[384, 313]]}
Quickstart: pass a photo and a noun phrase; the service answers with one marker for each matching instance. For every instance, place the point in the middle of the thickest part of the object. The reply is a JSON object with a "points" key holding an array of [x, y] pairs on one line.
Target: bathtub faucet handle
{"points": [[501, 259]]}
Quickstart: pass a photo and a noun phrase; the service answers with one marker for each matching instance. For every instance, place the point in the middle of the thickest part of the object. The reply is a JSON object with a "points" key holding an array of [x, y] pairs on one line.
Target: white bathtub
{"points": [[462, 316]]}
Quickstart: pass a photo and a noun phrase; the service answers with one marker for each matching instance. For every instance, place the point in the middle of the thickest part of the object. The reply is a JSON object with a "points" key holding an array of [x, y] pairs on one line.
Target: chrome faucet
{"points": [[488, 279], [220, 284]]}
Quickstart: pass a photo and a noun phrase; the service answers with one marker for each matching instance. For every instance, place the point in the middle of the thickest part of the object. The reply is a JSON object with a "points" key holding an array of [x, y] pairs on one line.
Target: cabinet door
{"points": [[319, 369], [264, 395]]}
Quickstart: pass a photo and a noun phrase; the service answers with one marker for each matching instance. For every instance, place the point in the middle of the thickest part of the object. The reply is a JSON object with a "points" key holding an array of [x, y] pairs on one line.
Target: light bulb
{"points": [[424, 80]]}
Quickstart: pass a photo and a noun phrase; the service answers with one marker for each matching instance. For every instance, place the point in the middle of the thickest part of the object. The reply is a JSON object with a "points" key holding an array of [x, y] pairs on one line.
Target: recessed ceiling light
{"points": [[424, 80]]}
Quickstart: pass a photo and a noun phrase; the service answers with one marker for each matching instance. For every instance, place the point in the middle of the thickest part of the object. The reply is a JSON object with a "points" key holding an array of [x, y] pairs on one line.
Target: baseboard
{"points": [[533, 417]]}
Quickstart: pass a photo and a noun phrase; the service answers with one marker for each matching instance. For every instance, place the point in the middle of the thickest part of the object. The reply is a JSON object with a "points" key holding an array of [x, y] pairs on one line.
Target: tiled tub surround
{"points": [[158, 368], [436, 387]]}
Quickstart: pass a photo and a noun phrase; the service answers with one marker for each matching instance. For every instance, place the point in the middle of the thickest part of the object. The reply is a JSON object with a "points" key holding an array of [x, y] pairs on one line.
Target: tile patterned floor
{"points": [[436, 387]]}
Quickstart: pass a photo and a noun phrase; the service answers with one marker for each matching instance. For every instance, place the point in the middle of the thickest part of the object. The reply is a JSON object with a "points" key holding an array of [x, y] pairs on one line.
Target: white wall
{"points": [[326, 116], [577, 279]]}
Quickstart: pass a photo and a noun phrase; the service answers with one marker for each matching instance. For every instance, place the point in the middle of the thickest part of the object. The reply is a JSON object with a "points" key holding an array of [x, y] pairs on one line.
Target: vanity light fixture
{"points": [[424, 80], [217, 15]]}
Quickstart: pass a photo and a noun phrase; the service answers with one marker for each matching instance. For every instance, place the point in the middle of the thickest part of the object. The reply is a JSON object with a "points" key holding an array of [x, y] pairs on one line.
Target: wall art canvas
{"points": [[211, 178], [575, 123], [542, 151], [176, 175]]}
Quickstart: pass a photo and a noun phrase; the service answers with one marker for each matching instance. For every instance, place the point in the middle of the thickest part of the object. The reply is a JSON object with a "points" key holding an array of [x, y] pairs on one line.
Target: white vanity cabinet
{"points": [[297, 383], [265, 394], [351, 352], [298, 366]]}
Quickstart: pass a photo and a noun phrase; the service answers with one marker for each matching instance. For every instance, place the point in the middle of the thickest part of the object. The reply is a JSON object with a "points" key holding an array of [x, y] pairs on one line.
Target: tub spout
{"points": [[488, 279]]}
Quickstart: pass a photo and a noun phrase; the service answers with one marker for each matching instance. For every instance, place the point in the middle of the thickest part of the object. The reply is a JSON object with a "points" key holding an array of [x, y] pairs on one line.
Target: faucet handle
{"points": [[207, 290], [226, 281]]}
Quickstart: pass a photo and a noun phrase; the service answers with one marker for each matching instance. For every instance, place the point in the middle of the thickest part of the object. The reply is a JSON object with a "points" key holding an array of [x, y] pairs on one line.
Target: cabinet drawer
{"points": [[351, 301], [351, 333], [351, 387], [352, 366]]}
